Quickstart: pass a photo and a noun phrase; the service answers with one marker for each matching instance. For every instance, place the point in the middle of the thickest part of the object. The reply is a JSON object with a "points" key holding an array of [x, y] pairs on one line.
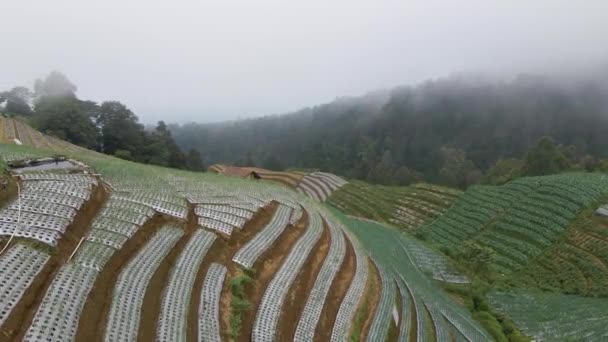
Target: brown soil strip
{"points": [[94, 316], [433, 331], [372, 298], [14, 123], [336, 294], [221, 252], [265, 268], [300, 289], [20, 318], [393, 330], [9, 192], [414, 323], [150, 308]]}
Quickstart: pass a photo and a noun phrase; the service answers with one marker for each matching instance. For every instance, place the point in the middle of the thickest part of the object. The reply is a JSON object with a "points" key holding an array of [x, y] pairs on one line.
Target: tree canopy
{"points": [[446, 131], [110, 128]]}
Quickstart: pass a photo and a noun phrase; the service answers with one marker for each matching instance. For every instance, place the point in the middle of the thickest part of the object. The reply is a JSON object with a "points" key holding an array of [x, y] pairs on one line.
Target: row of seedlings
{"points": [[428, 260], [18, 268], [46, 205], [163, 202], [66, 296], [130, 288], [261, 242], [224, 213], [406, 312], [313, 188], [9, 130], [382, 317], [270, 308], [23, 132], [173, 318], [209, 307], [350, 303], [316, 298]]}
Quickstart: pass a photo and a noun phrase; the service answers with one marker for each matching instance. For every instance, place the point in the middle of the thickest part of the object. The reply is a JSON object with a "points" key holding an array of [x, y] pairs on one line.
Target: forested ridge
{"points": [[451, 130], [109, 127]]}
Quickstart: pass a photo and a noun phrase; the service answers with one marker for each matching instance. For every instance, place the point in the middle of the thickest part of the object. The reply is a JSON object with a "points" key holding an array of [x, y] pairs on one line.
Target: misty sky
{"points": [[217, 60]]}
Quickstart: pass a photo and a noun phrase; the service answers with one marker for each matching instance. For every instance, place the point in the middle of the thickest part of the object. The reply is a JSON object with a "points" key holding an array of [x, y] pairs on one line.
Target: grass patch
{"points": [[502, 328], [239, 303]]}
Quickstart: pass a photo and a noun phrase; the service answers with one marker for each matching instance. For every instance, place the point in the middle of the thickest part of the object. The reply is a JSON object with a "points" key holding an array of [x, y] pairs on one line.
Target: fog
{"points": [[218, 60]]}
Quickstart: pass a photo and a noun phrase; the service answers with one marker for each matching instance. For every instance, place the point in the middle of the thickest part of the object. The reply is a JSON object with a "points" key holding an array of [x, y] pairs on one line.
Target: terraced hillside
{"points": [[13, 131], [316, 185], [123, 251], [519, 220], [114, 250], [405, 207]]}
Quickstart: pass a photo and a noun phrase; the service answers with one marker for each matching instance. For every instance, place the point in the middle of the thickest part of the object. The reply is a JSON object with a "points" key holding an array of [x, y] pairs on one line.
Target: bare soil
{"points": [[336, 294], [372, 298], [20, 318], [265, 268], [8, 188], [393, 330], [150, 308], [94, 316], [298, 294], [221, 252]]}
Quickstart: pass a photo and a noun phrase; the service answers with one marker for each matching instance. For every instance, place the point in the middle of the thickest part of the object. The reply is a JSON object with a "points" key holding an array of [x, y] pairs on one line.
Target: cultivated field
{"points": [[118, 251]]}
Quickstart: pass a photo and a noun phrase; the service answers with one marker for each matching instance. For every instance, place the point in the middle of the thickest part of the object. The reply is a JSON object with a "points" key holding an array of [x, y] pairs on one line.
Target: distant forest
{"points": [[109, 127], [458, 131]]}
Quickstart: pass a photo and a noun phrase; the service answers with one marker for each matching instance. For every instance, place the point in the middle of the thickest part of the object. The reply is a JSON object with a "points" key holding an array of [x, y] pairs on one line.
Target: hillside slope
{"points": [[389, 138], [120, 250]]}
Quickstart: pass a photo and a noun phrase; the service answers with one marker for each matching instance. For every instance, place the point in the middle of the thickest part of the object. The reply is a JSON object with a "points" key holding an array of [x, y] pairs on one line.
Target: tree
{"points": [[544, 158], [457, 170], [503, 171], [17, 101], [120, 129], [176, 159], [55, 84], [406, 176], [194, 161], [66, 119], [478, 261], [272, 163]]}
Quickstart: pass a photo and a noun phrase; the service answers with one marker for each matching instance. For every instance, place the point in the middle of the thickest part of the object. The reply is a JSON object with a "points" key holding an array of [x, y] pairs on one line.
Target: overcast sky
{"points": [[217, 60]]}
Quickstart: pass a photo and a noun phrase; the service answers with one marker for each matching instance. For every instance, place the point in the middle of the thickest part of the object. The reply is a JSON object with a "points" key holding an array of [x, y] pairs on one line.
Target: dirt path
{"points": [[393, 330], [94, 316], [20, 318], [372, 298], [304, 282], [265, 268], [221, 252], [150, 308], [336, 294]]}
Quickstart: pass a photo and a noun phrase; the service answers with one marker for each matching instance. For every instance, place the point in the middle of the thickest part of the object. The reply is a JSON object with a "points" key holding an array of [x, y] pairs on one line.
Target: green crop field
{"points": [[434, 313], [518, 220], [405, 207], [554, 316]]}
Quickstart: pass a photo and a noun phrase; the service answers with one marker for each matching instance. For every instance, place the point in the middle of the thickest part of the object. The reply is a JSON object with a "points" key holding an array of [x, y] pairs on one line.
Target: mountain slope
{"points": [[131, 251], [394, 138]]}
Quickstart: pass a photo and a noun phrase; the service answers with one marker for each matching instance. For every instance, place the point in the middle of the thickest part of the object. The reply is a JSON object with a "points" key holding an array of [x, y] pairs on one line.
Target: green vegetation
{"points": [[109, 127], [239, 303], [388, 247], [357, 328], [554, 316], [518, 220], [576, 264], [411, 134], [405, 207]]}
